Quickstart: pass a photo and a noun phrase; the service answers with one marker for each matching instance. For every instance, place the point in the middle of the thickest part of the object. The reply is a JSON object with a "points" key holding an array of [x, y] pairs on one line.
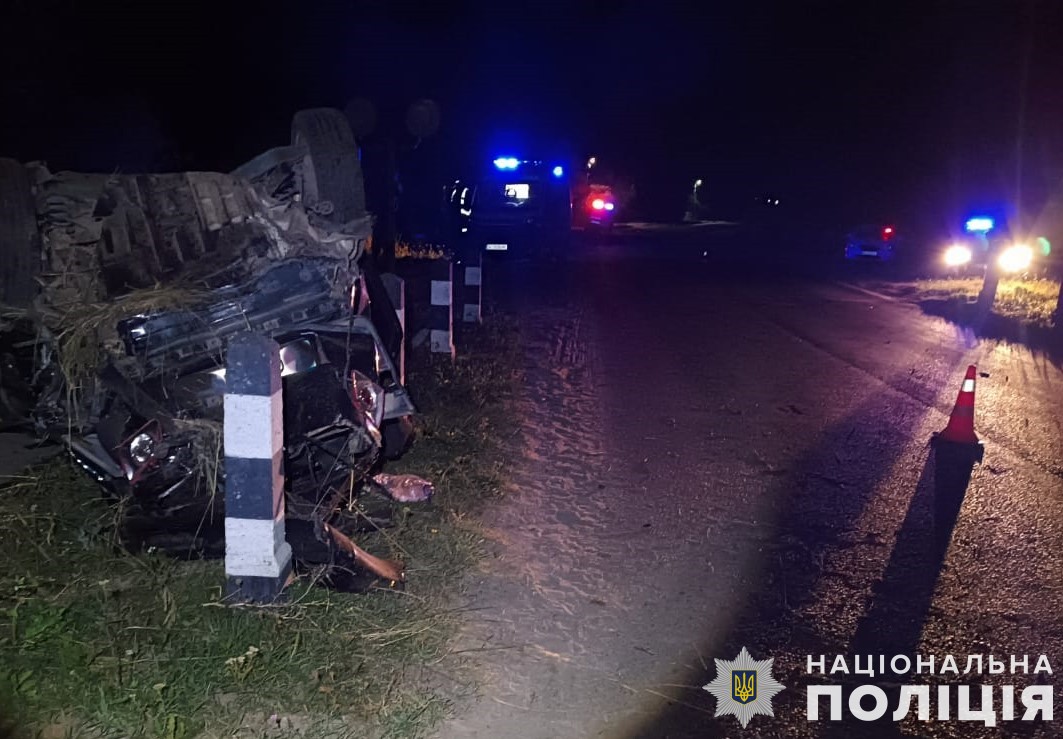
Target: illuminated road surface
{"points": [[714, 457]]}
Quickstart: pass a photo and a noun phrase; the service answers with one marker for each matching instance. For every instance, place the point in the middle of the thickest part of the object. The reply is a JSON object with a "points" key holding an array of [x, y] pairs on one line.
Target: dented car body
{"points": [[140, 283]]}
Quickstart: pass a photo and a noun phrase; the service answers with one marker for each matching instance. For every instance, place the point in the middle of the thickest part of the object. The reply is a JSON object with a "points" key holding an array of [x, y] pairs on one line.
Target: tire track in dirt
{"points": [[542, 590]]}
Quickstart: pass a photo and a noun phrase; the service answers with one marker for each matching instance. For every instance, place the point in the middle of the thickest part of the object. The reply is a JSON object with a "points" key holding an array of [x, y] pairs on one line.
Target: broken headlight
{"points": [[141, 448], [137, 452], [369, 397]]}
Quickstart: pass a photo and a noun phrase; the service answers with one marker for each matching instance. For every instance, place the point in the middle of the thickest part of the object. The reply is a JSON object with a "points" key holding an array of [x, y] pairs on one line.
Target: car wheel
{"points": [[20, 242], [332, 172]]}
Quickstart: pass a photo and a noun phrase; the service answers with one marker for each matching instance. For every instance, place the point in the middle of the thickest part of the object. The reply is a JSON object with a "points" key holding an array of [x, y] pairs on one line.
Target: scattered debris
{"points": [[387, 569], [405, 488]]}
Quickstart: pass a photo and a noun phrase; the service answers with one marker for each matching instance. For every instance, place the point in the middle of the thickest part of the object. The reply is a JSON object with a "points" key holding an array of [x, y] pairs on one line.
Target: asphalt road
{"points": [[716, 453]]}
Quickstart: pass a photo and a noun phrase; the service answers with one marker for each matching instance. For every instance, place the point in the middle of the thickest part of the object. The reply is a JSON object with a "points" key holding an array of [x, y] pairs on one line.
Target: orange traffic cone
{"points": [[956, 450], [961, 423]]}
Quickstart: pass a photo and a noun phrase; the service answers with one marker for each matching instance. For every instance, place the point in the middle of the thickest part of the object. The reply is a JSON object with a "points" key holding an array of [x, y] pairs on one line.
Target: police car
{"points": [[519, 207]]}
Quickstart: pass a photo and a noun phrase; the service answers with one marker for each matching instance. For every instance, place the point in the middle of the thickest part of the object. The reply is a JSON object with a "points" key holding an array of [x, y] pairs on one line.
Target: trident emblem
{"points": [[744, 688]]}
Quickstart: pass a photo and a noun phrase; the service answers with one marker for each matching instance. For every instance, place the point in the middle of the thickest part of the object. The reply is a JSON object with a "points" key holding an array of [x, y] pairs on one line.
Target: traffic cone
{"points": [[960, 429], [957, 449]]}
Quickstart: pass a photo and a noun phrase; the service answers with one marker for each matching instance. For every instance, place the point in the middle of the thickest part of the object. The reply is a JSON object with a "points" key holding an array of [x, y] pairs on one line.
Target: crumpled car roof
{"points": [[107, 235]]}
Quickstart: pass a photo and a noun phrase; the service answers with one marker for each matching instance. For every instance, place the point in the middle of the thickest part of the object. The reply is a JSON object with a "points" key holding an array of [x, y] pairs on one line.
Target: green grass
{"points": [[1030, 301], [97, 642]]}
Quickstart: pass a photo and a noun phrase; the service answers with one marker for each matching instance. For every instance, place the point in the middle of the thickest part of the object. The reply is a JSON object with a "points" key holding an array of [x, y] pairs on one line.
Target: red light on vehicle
{"points": [[887, 231], [598, 204]]}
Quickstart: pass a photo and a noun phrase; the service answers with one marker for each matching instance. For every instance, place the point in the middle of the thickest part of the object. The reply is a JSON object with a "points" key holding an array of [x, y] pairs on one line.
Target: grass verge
{"points": [[1030, 302], [96, 642]]}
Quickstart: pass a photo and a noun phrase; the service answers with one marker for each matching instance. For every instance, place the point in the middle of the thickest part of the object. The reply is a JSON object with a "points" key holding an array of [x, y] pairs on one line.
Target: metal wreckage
{"points": [[120, 293]]}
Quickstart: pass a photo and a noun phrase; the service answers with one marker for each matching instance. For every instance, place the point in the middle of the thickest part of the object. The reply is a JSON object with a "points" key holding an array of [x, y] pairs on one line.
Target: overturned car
{"points": [[120, 294]]}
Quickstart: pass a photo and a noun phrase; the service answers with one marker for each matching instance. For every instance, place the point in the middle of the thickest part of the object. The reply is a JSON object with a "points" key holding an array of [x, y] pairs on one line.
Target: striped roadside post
{"points": [[470, 274], [396, 288], [258, 560], [441, 313]]}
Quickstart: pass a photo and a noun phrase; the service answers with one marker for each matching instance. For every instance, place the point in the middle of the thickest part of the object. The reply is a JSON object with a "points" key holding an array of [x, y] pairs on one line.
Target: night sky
{"points": [[863, 108]]}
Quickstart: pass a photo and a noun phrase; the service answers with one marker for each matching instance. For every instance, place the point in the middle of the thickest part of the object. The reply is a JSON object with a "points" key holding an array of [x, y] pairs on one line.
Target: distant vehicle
{"points": [[987, 243], [966, 258], [595, 208], [969, 254], [871, 243], [517, 206]]}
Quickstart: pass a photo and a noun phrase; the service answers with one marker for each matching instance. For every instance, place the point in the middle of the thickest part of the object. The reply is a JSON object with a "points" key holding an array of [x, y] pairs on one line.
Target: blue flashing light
{"points": [[979, 224], [559, 171], [507, 163]]}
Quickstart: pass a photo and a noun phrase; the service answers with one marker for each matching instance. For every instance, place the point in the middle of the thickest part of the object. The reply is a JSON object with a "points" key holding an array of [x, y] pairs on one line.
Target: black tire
{"points": [[333, 172], [20, 241]]}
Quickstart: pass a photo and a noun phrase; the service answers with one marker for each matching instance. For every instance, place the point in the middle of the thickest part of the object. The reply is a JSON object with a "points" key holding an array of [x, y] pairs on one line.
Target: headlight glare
{"points": [[1015, 258], [957, 255]]}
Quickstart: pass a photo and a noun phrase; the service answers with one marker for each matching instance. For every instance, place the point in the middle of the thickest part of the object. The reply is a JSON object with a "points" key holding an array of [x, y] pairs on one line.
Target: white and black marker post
{"points": [[258, 560], [470, 272], [441, 312]]}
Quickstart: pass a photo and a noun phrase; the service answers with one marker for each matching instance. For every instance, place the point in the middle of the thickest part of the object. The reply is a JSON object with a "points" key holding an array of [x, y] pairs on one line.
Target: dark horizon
{"points": [[870, 112]]}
